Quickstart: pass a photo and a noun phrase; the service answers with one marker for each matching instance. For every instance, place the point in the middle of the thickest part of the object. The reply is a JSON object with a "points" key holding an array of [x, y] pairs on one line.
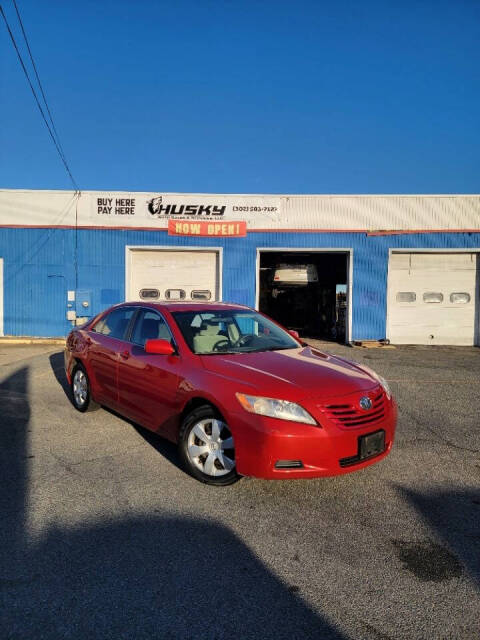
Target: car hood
{"points": [[303, 372]]}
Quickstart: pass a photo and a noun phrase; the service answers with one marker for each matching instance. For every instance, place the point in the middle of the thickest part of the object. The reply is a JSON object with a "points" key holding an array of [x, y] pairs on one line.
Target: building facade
{"points": [[404, 268]]}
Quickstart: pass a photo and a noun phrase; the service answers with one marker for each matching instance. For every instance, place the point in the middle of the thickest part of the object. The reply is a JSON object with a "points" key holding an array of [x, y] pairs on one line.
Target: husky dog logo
{"points": [[156, 208], [154, 205]]}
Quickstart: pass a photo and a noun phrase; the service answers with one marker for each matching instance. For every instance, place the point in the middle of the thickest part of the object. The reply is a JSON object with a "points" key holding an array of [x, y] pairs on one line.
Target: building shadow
{"points": [[137, 577], [14, 464]]}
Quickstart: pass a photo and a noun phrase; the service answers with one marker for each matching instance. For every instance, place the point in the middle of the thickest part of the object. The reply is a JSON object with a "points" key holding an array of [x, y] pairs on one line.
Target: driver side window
{"points": [[149, 325]]}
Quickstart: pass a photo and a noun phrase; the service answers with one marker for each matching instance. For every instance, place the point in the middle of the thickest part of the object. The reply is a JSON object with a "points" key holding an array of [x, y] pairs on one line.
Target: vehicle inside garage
{"points": [[306, 291]]}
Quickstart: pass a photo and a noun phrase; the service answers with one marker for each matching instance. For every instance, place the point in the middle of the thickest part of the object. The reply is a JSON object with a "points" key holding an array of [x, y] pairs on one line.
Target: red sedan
{"points": [[236, 392]]}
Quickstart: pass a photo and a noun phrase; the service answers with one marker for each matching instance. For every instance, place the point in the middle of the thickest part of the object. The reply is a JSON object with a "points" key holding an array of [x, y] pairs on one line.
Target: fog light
{"points": [[289, 464]]}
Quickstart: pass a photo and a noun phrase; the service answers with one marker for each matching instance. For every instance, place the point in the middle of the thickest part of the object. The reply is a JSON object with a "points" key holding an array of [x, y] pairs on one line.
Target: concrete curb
{"points": [[18, 340]]}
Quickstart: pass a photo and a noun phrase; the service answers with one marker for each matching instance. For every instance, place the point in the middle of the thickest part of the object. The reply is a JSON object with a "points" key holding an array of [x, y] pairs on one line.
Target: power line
{"points": [[38, 79], [60, 153]]}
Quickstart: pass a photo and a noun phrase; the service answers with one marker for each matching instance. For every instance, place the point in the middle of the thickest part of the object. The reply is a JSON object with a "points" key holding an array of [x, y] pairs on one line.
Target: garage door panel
{"points": [[423, 322], [400, 261], [173, 273], [442, 262]]}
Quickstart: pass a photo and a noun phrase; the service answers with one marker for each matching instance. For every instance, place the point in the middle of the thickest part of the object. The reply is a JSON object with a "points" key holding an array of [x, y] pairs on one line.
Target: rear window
{"points": [[115, 324]]}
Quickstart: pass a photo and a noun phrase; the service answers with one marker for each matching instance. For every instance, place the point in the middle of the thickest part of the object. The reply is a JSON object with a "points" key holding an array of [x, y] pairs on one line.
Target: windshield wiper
{"points": [[217, 353], [221, 353], [273, 349]]}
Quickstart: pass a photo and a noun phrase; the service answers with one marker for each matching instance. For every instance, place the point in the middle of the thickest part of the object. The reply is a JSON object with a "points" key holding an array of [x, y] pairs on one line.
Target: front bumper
{"points": [[261, 442]]}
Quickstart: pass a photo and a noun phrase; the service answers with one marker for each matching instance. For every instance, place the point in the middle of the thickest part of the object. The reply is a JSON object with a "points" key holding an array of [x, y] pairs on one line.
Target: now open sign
{"points": [[191, 228]]}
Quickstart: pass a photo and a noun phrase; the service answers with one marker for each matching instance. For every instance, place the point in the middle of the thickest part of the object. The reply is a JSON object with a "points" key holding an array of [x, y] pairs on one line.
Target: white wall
{"points": [[367, 213]]}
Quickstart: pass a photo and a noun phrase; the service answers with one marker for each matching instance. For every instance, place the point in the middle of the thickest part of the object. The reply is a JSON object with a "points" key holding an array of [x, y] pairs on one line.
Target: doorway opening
{"points": [[307, 291]]}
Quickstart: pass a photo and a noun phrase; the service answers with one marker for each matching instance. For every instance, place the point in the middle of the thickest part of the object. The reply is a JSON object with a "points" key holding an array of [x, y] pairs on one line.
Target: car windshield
{"points": [[231, 331]]}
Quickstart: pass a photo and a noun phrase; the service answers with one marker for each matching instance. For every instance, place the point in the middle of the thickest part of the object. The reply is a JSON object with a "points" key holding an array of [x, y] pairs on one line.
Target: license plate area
{"points": [[371, 445]]}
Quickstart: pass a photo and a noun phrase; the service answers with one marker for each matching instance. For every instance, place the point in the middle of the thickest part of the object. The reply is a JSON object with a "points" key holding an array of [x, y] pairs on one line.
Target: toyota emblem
{"points": [[365, 403]]}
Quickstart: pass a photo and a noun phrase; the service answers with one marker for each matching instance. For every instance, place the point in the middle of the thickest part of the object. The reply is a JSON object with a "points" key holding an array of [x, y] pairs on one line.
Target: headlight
{"points": [[385, 386], [282, 409], [379, 379]]}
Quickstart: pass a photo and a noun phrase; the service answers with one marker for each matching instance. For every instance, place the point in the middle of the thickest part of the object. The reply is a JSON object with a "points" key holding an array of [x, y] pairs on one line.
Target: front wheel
{"points": [[80, 387], [207, 448]]}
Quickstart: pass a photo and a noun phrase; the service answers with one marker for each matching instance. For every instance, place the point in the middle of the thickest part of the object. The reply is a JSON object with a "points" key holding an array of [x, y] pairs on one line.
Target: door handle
{"points": [[125, 355]]}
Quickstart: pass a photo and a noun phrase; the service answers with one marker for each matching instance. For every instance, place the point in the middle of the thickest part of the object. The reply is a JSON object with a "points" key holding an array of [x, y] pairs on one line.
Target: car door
{"points": [[148, 383], [106, 345]]}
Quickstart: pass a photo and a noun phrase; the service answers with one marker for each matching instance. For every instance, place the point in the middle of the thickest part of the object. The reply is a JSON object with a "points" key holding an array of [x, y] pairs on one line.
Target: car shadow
{"points": [[167, 576], [165, 448], [58, 367]]}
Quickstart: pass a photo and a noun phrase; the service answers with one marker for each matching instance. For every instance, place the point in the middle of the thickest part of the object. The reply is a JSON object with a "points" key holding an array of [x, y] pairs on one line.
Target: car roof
{"points": [[180, 305]]}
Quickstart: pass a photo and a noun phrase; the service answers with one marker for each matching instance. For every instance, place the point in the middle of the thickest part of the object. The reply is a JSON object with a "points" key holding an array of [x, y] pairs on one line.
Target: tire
{"points": [[204, 447], [80, 388]]}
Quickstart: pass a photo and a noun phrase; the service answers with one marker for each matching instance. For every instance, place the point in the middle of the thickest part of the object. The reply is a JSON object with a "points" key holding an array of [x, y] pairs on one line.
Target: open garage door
{"points": [[307, 291], [433, 298], [172, 274]]}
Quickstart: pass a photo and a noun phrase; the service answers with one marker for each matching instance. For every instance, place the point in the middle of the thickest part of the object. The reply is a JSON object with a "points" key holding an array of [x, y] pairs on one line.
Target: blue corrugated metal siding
{"points": [[39, 269]]}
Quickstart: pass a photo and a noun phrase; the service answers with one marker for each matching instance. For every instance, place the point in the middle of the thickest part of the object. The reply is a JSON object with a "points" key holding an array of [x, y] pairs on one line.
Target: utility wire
{"points": [[38, 80], [60, 153]]}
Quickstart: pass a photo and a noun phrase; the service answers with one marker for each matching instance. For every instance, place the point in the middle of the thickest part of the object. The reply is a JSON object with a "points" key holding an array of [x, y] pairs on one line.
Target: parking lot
{"points": [[104, 536]]}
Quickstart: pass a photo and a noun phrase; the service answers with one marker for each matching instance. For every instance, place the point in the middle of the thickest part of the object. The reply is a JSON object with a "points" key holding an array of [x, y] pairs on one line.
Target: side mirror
{"points": [[294, 333], [160, 347]]}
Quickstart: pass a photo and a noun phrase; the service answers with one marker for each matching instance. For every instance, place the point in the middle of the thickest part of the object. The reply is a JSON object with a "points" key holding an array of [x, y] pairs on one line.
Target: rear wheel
{"points": [[80, 387], [207, 448]]}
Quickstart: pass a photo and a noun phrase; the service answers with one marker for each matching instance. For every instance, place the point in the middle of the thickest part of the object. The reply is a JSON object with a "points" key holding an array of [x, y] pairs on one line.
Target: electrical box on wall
{"points": [[83, 303]]}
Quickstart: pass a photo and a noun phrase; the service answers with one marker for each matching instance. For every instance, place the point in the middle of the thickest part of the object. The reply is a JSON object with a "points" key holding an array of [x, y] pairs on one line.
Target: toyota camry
{"points": [[238, 394]]}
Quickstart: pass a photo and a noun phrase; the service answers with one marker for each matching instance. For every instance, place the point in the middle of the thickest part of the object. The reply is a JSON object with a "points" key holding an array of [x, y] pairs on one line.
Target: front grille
{"points": [[352, 415]]}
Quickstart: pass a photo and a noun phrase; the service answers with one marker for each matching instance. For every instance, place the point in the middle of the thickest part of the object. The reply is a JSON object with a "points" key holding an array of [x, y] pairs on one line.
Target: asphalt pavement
{"points": [[103, 535]]}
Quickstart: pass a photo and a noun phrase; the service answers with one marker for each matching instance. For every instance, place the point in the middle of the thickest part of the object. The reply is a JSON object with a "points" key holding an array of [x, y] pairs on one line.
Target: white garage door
{"points": [[163, 274], [433, 298]]}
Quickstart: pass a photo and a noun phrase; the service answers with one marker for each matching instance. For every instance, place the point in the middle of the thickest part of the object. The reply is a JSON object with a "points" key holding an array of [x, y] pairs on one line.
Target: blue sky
{"points": [[246, 97]]}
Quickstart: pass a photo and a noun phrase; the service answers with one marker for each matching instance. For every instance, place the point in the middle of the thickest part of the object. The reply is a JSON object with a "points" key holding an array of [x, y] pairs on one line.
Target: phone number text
{"points": [[257, 209]]}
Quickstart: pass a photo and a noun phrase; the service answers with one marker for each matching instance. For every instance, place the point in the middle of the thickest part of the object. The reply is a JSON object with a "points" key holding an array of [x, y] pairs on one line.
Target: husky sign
{"points": [[208, 207]]}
